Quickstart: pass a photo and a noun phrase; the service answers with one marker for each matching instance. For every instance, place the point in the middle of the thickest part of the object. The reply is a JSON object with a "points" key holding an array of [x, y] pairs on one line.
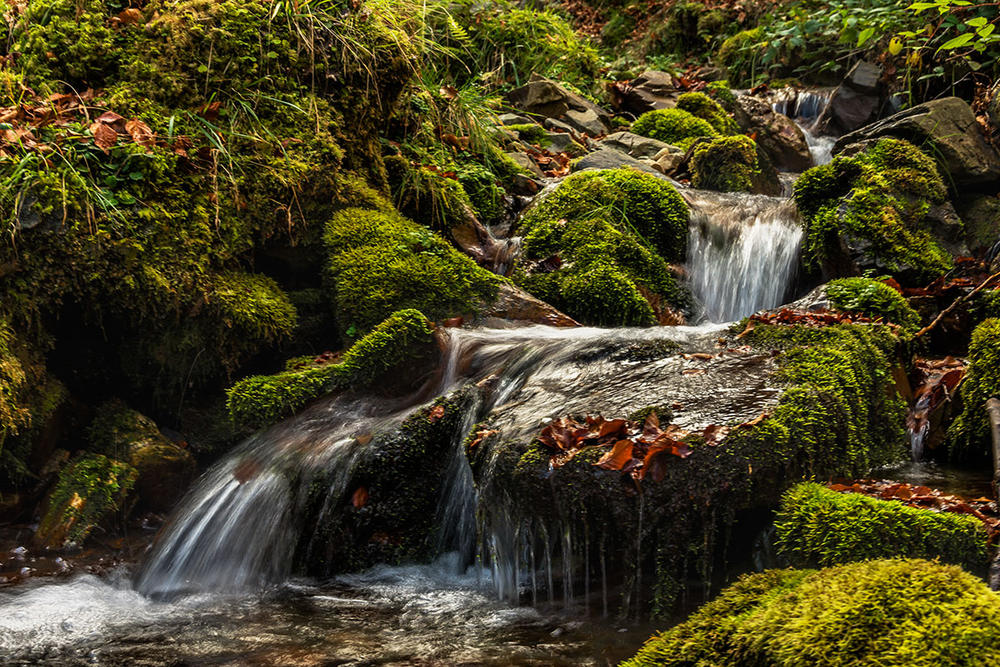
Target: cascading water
{"points": [[805, 107], [742, 253]]}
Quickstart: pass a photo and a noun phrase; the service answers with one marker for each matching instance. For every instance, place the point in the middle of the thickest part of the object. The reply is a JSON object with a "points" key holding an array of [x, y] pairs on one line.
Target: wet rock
{"points": [[513, 119], [948, 130], [651, 90], [855, 103], [669, 159], [981, 215], [562, 142], [546, 98], [513, 304], [636, 146], [525, 162], [607, 158], [775, 133]]}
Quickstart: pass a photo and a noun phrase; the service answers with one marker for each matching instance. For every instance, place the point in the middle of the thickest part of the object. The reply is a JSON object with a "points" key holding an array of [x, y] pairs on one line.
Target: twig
{"points": [[955, 304], [993, 410]]}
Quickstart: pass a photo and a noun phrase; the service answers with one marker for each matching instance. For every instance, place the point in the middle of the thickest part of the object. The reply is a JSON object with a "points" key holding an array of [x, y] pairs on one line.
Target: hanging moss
{"points": [[882, 197], [673, 126], [727, 164], [820, 527], [405, 338], [969, 435], [626, 198], [865, 614], [874, 299]]}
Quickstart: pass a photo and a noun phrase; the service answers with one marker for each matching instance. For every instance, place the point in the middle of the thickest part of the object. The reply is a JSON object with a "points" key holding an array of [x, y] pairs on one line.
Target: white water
{"points": [[743, 251], [805, 107]]}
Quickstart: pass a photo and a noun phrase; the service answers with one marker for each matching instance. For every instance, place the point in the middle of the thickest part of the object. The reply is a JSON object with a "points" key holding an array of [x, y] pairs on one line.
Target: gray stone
{"points": [[523, 160], [561, 142], [513, 119], [607, 158], [587, 121], [776, 134], [651, 90], [669, 160], [948, 130], [558, 125], [981, 215], [635, 145], [856, 102], [546, 98]]}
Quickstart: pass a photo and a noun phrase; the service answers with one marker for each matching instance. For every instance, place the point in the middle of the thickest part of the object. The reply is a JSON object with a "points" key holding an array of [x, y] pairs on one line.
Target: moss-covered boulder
{"points": [[404, 340], [818, 527], [889, 612], [969, 435], [673, 126], [87, 492], [872, 211], [163, 469], [702, 106], [728, 164], [874, 299]]}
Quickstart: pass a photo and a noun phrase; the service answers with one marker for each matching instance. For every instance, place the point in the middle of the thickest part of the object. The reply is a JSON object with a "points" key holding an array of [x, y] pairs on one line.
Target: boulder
{"points": [[635, 145], [562, 142], [775, 133], [855, 103], [652, 90], [946, 129], [525, 162], [608, 158], [546, 98], [513, 304], [513, 119], [981, 215]]}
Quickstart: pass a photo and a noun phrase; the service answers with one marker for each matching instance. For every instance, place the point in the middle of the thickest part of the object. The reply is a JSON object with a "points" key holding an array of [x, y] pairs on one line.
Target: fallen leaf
{"points": [[618, 457], [436, 413], [104, 136], [140, 133], [360, 498]]}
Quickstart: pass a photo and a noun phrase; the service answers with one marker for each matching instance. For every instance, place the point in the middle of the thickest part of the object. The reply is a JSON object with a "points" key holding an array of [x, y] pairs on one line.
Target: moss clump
{"points": [[874, 299], [380, 262], [86, 492], [704, 107], [630, 200], [865, 614], [969, 435], [820, 527], [532, 133], [727, 164], [740, 56], [881, 196], [721, 93], [427, 196], [406, 337], [673, 126]]}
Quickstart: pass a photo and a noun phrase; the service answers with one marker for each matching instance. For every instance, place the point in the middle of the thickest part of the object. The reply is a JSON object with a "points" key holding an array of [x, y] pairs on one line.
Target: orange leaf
{"points": [[140, 132], [611, 427], [436, 413], [619, 455], [104, 136], [360, 498]]}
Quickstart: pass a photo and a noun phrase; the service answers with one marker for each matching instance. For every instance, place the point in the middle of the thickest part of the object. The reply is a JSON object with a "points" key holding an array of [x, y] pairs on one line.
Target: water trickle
{"points": [[743, 252], [805, 107]]}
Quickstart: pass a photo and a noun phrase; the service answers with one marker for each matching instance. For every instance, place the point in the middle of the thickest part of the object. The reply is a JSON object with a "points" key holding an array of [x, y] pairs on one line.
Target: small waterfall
{"points": [[805, 107], [743, 252]]}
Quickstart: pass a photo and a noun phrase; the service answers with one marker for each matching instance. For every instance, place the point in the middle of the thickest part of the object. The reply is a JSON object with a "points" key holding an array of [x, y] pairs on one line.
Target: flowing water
{"points": [[805, 107]]}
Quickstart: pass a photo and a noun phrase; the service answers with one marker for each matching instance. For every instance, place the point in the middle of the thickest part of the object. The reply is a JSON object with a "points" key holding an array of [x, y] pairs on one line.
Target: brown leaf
{"points": [[360, 498], [140, 133], [363, 439], [130, 16], [436, 413], [448, 92], [480, 436], [612, 427], [453, 322], [651, 427], [210, 111], [693, 371], [619, 455], [715, 434], [104, 136], [113, 120]]}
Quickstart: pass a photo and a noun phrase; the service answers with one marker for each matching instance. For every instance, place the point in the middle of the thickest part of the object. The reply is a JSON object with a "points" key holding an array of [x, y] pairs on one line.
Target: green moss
{"points": [[741, 56], [702, 106], [381, 262], [874, 299], [115, 426], [673, 126], [969, 435], [405, 338], [727, 164], [820, 527], [87, 491], [484, 192], [427, 196], [530, 132], [890, 612], [628, 199], [882, 196], [721, 93]]}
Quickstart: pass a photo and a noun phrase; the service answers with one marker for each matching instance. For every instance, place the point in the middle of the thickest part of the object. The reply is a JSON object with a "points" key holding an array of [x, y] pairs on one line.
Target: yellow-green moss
{"points": [[727, 164], [704, 107], [969, 435], [741, 55], [673, 126], [874, 299], [889, 612], [820, 527]]}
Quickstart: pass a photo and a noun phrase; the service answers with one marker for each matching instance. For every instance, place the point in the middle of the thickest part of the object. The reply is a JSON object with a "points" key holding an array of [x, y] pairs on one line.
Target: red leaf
{"points": [[436, 413], [618, 457], [360, 498]]}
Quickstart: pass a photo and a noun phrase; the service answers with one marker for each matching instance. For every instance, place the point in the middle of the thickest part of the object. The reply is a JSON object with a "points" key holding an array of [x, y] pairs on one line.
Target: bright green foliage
{"points": [[727, 164], [969, 435], [404, 338], [720, 92], [530, 132], [881, 195], [704, 107], [427, 196], [673, 126], [820, 527], [628, 199], [87, 491], [874, 299], [603, 274], [889, 612], [484, 192], [380, 262], [740, 56]]}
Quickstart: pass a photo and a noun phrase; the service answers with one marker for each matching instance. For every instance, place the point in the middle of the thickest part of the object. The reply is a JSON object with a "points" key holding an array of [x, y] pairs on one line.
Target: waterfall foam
{"points": [[743, 252], [805, 107]]}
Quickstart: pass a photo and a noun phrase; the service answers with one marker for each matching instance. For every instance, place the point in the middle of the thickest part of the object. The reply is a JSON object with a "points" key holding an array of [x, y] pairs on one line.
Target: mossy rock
{"points": [[886, 612], [869, 211], [727, 164], [874, 299], [87, 492], [817, 526], [676, 127], [704, 107], [969, 436], [405, 339]]}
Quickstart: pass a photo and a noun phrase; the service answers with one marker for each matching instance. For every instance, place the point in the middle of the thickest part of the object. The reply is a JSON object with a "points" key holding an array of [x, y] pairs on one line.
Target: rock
{"points": [[513, 304], [946, 129], [525, 185], [669, 159], [776, 134], [981, 215], [607, 158], [562, 142], [513, 119], [546, 98], [652, 90], [635, 145], [993, 107], [558, 126], [855, 103], [525, 162]]}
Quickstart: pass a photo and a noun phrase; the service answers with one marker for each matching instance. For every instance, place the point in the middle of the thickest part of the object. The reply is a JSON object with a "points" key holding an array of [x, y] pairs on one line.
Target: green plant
{"points": [[968, 436], [873, 298]]}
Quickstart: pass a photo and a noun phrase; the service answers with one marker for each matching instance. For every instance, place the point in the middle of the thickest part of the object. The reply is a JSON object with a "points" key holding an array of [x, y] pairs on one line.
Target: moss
{"points": [[875, 613], [721, 93], [820, 527], [881, 196], [488, 199], [405, 338], [86, 492], [874, 299], [727, 164], [673, 126], [702, 106], [969, 436], [741, 55], [530, 132], [626, 198], [381, 262], [428, 196]]}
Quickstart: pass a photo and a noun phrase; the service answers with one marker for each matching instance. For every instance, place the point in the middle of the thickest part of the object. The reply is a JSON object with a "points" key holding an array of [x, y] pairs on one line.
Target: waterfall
{"points": [[805, 107], [743, 252]]}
